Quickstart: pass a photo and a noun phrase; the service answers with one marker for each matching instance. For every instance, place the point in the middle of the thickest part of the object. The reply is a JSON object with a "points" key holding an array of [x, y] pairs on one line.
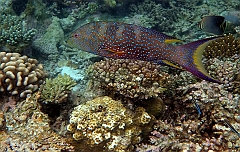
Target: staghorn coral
{"points": [[107, 123], [131, 78], [19, 75], [57, 90], [28, 129], [14, 34], [223, 47]]}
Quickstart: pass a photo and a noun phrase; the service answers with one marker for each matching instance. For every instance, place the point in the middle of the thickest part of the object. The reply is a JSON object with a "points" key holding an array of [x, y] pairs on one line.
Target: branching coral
{"points": [[107, 123], [19, 75], [57, 90], [14, 34], [225, 71], [183, 129], [223, 47], [131, 78]]}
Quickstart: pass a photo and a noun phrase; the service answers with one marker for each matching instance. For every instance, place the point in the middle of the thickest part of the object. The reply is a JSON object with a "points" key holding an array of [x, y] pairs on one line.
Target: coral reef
{"points": [[225, 71], [14, 33], [28, 129], [131, 78], [19, 75], [110, 3], [192, 115], [182, 128], [57, 90], [223, 47], [81, 10], [107, 123], [176, 18]]}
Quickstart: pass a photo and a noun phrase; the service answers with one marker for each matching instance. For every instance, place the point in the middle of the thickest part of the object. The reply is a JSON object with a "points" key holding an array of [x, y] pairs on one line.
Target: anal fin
{"points": [[171, 64]]}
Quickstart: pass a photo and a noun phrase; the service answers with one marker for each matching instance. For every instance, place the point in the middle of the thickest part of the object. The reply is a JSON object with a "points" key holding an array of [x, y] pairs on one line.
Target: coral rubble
{"points": [[28, 129]]}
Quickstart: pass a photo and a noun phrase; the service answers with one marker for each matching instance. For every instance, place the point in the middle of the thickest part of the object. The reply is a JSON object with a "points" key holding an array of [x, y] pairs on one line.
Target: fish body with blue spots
{"points": [[126, 41]]}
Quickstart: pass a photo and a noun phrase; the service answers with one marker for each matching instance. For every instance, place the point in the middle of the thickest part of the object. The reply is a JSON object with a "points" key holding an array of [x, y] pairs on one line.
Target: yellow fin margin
{"points": [[197, 58], [168, 41], [171, 64]]}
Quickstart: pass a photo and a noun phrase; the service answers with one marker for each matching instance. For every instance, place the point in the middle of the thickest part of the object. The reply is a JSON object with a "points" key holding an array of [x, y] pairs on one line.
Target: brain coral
{"points": [[19, 75], [104, 121], [131, 78]]}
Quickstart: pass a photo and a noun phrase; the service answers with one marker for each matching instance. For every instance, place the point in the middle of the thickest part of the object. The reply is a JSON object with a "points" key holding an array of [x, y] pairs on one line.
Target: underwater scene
{"points": [[119, 75]]}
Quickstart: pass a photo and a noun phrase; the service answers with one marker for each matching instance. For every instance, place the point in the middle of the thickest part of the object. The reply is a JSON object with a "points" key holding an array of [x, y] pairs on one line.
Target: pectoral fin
{"points": [[168, 41]]}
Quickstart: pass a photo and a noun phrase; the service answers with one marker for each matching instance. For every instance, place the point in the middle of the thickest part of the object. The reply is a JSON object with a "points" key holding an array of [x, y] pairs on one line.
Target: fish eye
{"points": [[76, 35]]}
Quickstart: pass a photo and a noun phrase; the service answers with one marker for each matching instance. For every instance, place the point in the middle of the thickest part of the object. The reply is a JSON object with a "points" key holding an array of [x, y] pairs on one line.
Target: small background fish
{"points": [[213, 24]]}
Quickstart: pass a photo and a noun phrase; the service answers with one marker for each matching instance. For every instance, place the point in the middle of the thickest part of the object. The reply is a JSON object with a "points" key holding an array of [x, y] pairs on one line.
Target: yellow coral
{"points": [[106, 121], [57, 90]]}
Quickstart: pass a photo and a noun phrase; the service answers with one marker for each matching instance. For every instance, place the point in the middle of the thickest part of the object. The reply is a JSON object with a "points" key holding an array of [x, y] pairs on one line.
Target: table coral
{"points": [[14, 34], [131, 78], [106, 122], [57, 90], [19, 75]]}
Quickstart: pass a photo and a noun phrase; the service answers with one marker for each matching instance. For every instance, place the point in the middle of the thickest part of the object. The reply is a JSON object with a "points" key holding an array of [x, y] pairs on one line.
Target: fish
{"points": [[231, 127], [213, 24], [197, 107], [120, 40]]}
